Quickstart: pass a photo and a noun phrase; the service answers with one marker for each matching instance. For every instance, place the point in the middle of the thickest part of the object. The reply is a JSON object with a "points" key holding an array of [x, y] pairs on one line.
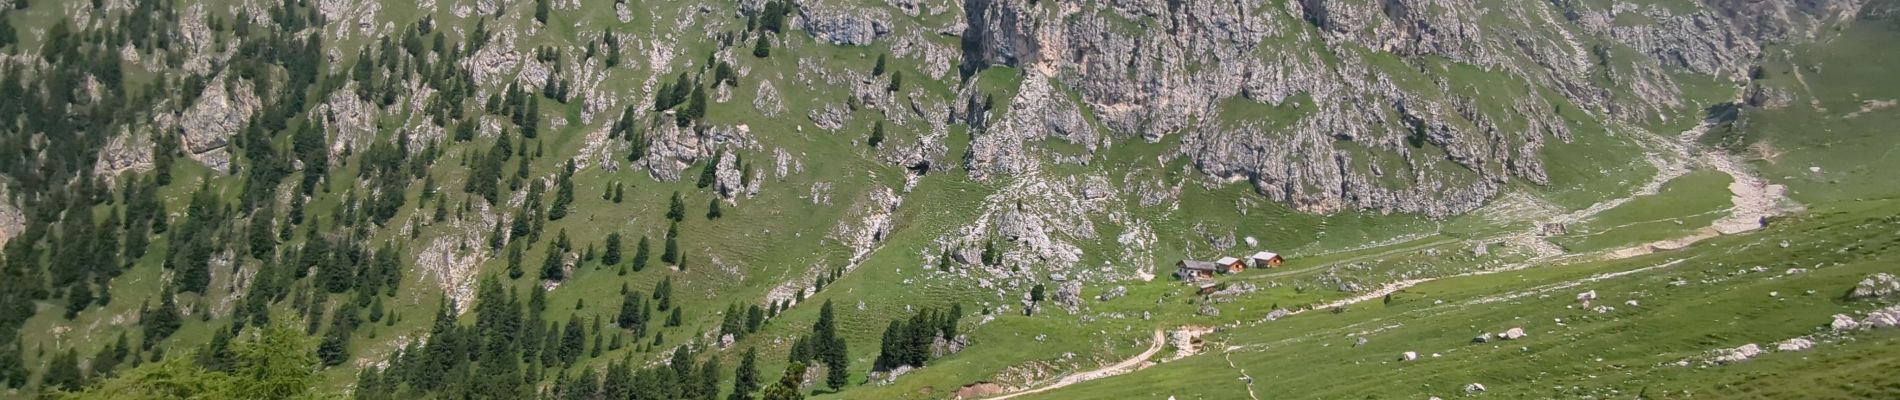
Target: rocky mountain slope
{"points": [[183, 179]]}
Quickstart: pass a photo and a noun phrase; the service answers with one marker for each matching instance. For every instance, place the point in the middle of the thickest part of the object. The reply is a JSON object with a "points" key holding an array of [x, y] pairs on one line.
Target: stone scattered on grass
{"points": [[1734, 355], [1474, 388], [1408, 356], [1795, 344], [1876, 285]]}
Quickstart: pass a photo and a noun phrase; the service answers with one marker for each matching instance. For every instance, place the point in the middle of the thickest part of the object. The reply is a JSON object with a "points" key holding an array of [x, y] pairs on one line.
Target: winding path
{"points": [[1125, 366]]}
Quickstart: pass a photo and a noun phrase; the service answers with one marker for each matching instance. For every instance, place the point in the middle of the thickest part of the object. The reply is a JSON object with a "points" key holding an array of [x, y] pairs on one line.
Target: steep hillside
{"points": [[934, 199]]}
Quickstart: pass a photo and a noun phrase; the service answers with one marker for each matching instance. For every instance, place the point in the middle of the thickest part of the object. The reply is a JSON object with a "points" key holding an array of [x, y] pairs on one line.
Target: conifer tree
{"points": [[611, 256], [671, 253], [745, 379], [641, 253]]}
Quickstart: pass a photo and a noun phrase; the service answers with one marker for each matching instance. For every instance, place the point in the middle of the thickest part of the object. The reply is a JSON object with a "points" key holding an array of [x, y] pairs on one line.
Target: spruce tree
{"points": [[787, 386], [676, 211], [552, 268], [762, 48], [671, 254], [641, 253], [745, 379], [710, 174], [611, 256]]}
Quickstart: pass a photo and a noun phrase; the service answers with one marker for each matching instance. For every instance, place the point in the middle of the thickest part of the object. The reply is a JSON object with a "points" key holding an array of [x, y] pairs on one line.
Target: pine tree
{"points": [[641, 253], [877, 134], [733, 323], [676, 211], [754, 318], [745, 379], [611, 256], [787, 386], [671, 254], [552, 268], [897, 81], [710, 174], [161, 323], [695, 107], [631, 307], [830, 349], [878, 70], [63, 372], [762, 47], [712, 211], [541, 11]]}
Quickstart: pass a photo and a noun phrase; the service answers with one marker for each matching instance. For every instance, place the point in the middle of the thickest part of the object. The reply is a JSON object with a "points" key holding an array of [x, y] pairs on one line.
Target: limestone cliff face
{"points": [[1368, 110]]}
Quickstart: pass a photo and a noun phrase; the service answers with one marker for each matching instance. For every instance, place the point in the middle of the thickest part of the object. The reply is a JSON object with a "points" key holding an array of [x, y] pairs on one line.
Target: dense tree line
{"points": [[908, 342]]}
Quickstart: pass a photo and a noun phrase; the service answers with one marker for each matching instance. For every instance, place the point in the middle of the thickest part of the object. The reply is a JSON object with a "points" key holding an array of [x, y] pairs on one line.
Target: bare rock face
{"points": [[940, 347], [849, 27], [1068, 295], [1037, 112], [351, 121], [727, 178], [12, 221], [767, 101], [1348, 133], [224, 107], [672, 148]]}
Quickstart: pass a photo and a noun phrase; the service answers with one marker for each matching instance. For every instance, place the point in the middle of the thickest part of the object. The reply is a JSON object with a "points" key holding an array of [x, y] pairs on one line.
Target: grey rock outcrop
{"points": [[1876, 286], [1346, 132], [224, 107], [850, 27]]}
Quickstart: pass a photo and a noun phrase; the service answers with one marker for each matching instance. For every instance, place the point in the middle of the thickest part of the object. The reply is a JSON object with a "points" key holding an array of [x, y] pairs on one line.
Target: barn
{"points": [[1266, 259]]}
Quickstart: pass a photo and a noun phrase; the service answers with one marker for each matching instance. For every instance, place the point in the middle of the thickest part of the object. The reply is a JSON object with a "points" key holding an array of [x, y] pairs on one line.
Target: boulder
{"points": [[1483, 337], [1513, 334], [1843, 323], [1876, 285], [1884, 318], [1474, 388], [1278, 313], [1734, 355], [1408, 356], [1795, 344]]}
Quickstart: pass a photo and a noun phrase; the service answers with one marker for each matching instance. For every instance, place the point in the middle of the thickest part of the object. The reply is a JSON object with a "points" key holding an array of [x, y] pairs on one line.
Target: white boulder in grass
{"points": [[1587, 297], [1474, 388], [1408, 356], [1795, 344], [1513, 334], [1876, 285], [1735, 355]]}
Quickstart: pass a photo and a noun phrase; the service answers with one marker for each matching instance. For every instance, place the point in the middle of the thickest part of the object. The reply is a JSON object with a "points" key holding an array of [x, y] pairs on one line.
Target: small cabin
{"points": [[1266, 259], [1208, 288], [1191, 270], [1230, 265]]}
